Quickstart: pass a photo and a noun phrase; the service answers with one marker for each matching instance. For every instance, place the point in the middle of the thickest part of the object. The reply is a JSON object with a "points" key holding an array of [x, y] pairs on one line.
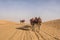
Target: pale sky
{"points": [[26, 9]]}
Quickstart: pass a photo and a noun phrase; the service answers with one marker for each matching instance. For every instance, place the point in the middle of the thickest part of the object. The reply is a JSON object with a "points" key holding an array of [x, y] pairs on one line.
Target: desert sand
{"points": [[49, 31]]}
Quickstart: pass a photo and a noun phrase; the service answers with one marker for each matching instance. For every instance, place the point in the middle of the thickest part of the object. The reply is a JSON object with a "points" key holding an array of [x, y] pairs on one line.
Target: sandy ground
{"points": [[9, 32]]}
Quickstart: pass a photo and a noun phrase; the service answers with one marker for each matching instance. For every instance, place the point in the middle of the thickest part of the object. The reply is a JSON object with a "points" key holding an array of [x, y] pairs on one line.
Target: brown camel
{"points": [[37, 21], [22, 21]]}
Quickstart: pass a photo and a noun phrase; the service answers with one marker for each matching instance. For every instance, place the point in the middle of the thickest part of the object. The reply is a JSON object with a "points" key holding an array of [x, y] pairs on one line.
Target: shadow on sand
{"points": [[26, 27]]}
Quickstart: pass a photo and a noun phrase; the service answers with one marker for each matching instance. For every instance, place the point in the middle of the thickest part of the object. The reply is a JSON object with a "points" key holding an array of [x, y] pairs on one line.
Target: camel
{"points": [[22, 21], [36, 21]]}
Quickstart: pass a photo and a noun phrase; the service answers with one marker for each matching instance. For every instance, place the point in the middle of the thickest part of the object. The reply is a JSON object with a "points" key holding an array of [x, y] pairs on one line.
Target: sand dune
{"points": [[6, 22], [53, 23], [49, 31]]}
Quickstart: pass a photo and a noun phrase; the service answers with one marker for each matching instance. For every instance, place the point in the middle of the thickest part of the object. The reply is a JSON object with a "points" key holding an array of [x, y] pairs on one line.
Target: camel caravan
{"points": [[34, 21]]}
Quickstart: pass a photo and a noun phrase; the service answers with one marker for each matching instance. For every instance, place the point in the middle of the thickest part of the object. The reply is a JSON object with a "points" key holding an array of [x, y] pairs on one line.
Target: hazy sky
{"points": [[26, 9]]}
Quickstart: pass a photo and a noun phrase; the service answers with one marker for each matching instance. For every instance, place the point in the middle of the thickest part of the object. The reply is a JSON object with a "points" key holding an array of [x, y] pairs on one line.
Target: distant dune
{"points": [[53, 23], [48, 31], [7, 22]]}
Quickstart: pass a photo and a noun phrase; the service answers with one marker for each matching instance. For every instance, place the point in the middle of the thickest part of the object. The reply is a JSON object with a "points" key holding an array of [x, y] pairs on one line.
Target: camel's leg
{"points": [[39, 27], [32, 27], [39, 24]]}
